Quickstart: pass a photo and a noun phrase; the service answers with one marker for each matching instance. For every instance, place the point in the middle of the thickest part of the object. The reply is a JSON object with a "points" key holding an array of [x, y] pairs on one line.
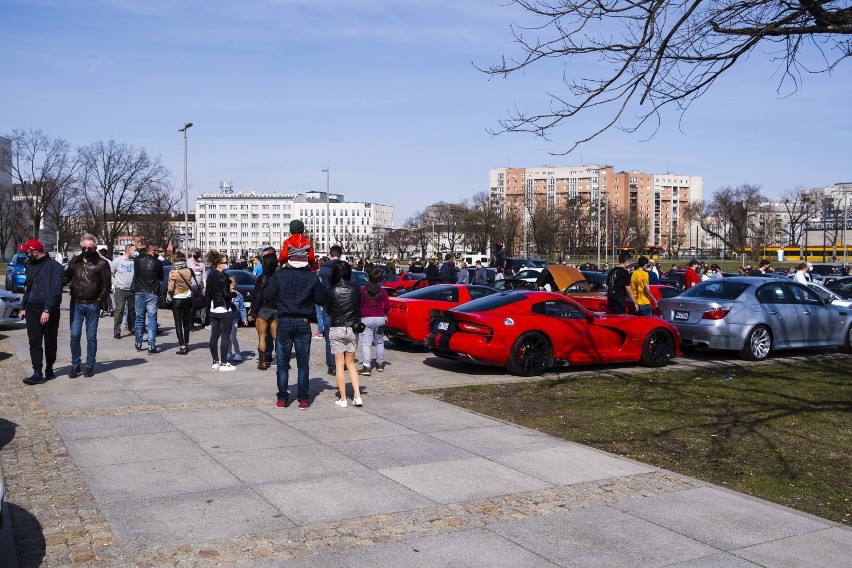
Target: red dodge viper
{"points": [[528, 332]]}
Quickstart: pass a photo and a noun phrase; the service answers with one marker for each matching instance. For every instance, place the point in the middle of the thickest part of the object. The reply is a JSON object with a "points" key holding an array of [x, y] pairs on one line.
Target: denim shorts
{"points": [[342, 340]]}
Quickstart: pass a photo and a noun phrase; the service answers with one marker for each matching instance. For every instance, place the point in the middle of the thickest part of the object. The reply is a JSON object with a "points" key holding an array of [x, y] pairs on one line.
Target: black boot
{"points": [[261, 360]]}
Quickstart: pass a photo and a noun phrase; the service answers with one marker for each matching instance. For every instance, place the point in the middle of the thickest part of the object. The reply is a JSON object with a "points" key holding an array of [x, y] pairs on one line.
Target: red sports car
{"points": [[408, 319], [596, 301], [401, 282], [529, 332]]}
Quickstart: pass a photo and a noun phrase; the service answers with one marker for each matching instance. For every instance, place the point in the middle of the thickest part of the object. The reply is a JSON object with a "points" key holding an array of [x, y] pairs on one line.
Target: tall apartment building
{"points": [[659, 199], [239, 223]]}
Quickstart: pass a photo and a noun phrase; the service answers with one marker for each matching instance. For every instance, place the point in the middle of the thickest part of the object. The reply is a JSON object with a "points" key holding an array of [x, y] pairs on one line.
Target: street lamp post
{"points": [[186, 126], [327, 171]]}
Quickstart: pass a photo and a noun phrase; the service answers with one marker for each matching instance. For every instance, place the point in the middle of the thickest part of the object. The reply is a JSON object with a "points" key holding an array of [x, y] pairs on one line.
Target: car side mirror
{"points": [[826, 301], [590, 317]]}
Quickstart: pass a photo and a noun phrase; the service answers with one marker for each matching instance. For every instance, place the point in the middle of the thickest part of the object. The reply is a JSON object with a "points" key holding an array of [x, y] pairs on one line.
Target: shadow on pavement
{"points": [[7, 432], [29, 536]]}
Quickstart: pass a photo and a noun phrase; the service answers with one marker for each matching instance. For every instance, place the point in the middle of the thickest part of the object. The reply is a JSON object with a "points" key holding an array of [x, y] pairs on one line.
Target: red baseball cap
{"points": [[32, 244]]}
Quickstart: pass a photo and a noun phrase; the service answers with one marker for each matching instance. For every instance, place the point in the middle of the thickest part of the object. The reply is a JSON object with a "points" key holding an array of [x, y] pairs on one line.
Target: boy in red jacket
{"points": [[297, 242]]}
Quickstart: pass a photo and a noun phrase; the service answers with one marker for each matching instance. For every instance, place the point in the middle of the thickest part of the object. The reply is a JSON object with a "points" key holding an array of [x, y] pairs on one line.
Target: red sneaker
{"points": [[303, 404], [281, 404]]}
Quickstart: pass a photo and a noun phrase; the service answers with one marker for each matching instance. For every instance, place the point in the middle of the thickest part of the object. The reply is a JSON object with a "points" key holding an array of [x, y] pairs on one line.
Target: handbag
{"points": [[358, 327], [199, 300]]}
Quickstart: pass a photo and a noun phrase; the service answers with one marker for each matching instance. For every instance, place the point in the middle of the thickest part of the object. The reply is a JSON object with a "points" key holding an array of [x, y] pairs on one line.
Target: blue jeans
{"points": [[643, 310], [146, 305], [293, 332], [329, 358], [320, 319], [91, 313]]}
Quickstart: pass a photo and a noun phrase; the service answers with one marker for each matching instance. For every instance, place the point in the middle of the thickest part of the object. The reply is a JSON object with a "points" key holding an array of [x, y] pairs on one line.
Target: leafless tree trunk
{"points": [[12, 226]]}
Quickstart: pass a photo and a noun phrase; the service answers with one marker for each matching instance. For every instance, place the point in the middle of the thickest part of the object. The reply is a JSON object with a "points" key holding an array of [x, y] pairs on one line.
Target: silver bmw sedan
{"points": [[755, 316]]}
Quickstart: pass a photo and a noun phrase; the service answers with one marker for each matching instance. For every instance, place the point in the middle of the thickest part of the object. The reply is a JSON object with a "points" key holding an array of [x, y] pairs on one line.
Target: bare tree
{"points": [[732, 216], [449, 223], [420, 230], [543, 219], [574, 229], [399, 241], [62, 216], [665, 52], [44, 168], [120, 182], [12, 226], [481, 219], [800, 207], [155, 224]]}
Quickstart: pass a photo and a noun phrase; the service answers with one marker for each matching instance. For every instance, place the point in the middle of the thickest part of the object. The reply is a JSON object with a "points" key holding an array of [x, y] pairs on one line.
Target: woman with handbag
{"points": [[180, 292], [218, 287], [375, 305], [264, 312], [343, 305]]}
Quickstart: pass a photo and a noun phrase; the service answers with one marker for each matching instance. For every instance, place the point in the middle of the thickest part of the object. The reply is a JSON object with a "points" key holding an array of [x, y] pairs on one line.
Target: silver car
{"points": [[757, 315]]}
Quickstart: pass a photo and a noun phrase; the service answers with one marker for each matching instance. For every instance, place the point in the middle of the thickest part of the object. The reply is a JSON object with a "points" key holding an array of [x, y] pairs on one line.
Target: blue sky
{"points": [[385, 93]]}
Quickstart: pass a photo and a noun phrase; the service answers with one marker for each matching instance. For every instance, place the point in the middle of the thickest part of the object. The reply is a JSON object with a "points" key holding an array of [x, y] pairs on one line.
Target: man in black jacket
{"points": [[433, 276], [40, 309], [90, 279], [147, 275], [296, 290]]}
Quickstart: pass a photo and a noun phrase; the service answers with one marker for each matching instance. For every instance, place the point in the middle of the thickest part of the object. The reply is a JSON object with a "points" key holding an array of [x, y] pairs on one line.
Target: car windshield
{"points": [[717, 290], [823, 293], [528, 274], [243, 278], [491, 302]]}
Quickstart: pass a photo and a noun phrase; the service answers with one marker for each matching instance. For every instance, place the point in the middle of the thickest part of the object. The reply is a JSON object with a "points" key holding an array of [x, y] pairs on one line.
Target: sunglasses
{"points": [[87, 248]]}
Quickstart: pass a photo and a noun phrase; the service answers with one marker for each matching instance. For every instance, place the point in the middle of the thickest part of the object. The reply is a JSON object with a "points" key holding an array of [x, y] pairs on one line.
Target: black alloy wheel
{"points": [[531, 355], [658, 349]]}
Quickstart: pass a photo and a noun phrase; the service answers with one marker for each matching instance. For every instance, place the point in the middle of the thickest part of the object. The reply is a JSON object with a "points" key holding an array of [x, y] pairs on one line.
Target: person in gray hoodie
{"points": [[122, 283]]}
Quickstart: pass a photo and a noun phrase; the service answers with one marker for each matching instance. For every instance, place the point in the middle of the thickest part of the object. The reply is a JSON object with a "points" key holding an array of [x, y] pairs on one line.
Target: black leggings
{"points": [[220, 331], [182, 312]]}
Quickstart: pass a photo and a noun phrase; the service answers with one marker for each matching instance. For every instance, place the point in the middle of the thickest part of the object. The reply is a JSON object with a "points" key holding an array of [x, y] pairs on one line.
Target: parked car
{"points": [[829, 296], [530, 332], [756, 316], [518, 264], [673, 278], [490, 273], [16, 273], [408, 318], [10, 307], [402, 281], [841, 286]]}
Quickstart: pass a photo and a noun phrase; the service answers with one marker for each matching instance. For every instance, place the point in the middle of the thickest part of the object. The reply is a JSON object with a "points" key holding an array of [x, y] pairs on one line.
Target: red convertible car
{"points": [[529, 332], [408, 318], [402, 282]]}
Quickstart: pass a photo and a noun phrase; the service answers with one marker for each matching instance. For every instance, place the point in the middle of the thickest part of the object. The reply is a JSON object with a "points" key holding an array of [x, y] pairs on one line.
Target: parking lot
{"points": [[160, 460]]}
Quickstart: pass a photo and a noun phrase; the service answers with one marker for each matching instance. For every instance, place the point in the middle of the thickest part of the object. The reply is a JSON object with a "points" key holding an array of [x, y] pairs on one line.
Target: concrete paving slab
{"points": [[350, 424], [129, 449], [321, 408], [206, 515], [181, 394], [498, 440], [570, 463], [397, 451], [476, 548], [287, 464], [158, 381], [106, 426], [107, 399], [722, 519], [102, 382], [144, 369], [158, 478], [601, 537], [463, 480], [248, 437], [436, 419], [340, 496], [829, 547], [723, 560], [217, 417], [250, 390]]}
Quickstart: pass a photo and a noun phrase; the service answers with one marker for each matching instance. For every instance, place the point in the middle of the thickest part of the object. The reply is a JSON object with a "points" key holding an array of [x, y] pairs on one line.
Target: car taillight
{"points": [[475, 328], [399, 307], [715, 313]]}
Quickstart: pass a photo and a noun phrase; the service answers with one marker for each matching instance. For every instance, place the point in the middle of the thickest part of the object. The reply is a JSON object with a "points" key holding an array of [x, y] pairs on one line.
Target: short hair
{"points": [[803, 265], [179, 257], [375, 275], [643, 260], [448, 256], [335, 250], [764, 262], [693, 262], [127, 247], [340, 271], [89, 237], [623, 257]]}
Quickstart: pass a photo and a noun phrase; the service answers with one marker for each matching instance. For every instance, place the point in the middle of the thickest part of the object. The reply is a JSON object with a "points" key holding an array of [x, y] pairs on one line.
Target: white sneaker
{"points": [[341, 403], [227, 367], [216, 364], [236, 357], [357, 401]]}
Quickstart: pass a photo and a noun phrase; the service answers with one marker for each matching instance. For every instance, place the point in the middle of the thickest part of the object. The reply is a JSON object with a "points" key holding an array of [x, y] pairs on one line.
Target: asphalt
{"points": [[160, 460]]}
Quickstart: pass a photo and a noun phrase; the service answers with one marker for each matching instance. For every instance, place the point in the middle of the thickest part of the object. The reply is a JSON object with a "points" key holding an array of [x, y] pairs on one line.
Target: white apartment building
{"points": [[241, 223]]}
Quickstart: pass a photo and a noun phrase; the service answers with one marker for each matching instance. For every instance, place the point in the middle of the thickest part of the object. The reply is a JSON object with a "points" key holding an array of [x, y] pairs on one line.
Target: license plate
{"points": [[443, 325], [681, 315]]}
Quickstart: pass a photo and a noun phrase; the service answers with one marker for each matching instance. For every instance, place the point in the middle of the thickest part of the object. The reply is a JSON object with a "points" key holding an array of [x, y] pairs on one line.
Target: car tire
{"points": [[658, 349], [847, 344], [531, 355], [758, 344]]}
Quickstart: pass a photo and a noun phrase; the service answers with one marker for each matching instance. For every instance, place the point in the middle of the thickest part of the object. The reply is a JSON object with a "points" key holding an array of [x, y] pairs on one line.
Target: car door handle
{"points": [[773, 312], [807, 312]]}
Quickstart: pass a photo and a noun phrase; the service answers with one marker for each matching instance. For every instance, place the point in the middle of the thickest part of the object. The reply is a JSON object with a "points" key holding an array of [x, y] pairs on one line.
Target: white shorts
{"points": [[342, 340]]}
